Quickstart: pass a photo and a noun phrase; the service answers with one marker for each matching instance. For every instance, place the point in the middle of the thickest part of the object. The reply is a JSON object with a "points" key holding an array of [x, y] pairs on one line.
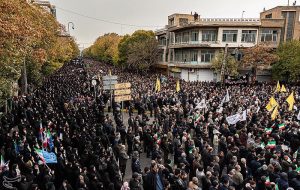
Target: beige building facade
{"points": [[189, 43]]}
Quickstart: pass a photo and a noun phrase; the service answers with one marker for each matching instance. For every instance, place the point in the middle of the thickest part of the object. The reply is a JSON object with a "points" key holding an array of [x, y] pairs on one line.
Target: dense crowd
{"points": [[186, 134]]}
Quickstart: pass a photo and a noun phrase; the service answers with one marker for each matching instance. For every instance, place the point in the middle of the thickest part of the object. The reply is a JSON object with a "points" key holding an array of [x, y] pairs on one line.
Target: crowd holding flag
{"points": [[272, 104], [40, 154], [46, 157], [157, 85], [281, 126], [177, 86], [271, 144], [2, 161], [282, 89], [274, 113], [278, 87], [268, 130], [267, 180], [291, 100]]}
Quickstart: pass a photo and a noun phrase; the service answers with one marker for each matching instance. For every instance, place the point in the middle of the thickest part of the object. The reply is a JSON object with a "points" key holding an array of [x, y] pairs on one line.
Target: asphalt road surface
{"points": [[143, 159]]}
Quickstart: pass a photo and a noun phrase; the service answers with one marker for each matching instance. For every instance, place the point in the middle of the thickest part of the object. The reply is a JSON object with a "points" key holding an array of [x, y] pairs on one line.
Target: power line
{"points": [[107, 21]]}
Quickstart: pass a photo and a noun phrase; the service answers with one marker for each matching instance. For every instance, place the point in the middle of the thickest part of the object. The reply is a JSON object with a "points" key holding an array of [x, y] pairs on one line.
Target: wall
{"points": [[198, 75]]}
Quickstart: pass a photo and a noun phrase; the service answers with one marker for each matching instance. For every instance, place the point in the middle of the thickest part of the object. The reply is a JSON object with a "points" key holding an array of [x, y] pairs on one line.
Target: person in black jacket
{"points": [[135, 182], [154, 180]]}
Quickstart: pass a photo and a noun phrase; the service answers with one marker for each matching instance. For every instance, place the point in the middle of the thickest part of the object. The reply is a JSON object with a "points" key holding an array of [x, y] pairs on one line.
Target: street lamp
{"points": [[69, 26]]}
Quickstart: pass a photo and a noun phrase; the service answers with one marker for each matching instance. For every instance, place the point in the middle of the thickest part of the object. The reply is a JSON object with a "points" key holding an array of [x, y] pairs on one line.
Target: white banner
{"points": [[201, 105], [236, 118]]}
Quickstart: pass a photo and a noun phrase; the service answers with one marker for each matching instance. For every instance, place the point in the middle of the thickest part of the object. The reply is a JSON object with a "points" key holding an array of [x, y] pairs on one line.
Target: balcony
{"points": [[190, 64], [194, 44]]}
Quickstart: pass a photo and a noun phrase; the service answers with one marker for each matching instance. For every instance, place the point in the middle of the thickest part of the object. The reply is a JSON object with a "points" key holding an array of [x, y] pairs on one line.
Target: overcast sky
{"points": [[150, 13]]}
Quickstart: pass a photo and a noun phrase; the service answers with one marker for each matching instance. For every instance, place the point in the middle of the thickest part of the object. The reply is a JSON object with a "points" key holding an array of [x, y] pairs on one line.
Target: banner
{"points": [[50, 157], [236, 118], [201, 105]]}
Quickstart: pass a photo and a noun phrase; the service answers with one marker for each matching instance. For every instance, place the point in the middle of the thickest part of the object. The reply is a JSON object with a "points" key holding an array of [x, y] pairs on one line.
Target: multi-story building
{"points": [[189, 43], [46, 5]]}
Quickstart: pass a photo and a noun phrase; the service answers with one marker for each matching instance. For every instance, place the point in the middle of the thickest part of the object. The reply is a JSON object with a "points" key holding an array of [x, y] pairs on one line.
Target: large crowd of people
{"points": [[186, 134]]}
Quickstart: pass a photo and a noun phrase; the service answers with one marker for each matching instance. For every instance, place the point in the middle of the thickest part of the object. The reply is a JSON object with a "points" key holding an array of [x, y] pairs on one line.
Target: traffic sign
{"points": [[108, 77], [109, 82], [122, 85], [112, 87], [122, 98], [122, 92]]}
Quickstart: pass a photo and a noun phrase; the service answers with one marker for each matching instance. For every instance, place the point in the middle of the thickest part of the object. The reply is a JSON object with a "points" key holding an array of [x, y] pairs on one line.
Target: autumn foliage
{"points": [[29, 33]]}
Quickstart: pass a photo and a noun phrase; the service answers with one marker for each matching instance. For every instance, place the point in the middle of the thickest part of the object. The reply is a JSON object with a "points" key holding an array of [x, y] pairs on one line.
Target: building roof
{"points": [[281, 7]]}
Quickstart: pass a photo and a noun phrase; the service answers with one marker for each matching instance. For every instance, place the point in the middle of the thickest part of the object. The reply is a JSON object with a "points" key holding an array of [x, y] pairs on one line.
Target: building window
{"points": [[268, 35], [194, 56], [162, 41], [178, 38], [171, 37], [249, 36], [229, 35], [183, 21], [185, 56], [194, 36], [269, 16], [207, 55], [161, 57], [171, 21], [209, 35], [185, 37]]}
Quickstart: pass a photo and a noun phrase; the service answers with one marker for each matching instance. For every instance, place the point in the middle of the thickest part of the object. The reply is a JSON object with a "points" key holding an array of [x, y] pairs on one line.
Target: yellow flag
{"points": [[282, 89], [109, 72], [177, 86], [157, 85], [274, 113], [277, 87], [290, 100], [272, 103]]}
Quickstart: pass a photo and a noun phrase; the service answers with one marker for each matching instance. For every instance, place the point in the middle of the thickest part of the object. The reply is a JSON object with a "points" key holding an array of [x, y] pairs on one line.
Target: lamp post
{"points": [[69, 26]]}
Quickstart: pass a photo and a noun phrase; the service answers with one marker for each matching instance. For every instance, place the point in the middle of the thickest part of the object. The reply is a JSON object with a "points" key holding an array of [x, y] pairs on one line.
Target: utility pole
{"points": [[224, 64]]}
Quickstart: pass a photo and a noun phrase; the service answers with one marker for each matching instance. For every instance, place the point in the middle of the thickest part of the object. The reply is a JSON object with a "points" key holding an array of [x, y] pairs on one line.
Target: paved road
{"points": [[143, 159]]}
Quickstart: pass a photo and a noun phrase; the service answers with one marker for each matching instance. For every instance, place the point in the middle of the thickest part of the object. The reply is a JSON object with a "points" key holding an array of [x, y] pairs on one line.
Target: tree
{"points": [[258, 57], [29, 33], [288, 66], [139, 51], [231, 66], [105, 48]]}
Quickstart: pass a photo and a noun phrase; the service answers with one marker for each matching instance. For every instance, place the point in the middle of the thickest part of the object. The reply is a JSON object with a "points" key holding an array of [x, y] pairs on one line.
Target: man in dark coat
{"points": [[154, 180]]}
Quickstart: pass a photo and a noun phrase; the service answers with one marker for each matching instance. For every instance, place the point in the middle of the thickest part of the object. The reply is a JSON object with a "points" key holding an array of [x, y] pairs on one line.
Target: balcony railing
{"points": [[195, 43], [229, 20]]}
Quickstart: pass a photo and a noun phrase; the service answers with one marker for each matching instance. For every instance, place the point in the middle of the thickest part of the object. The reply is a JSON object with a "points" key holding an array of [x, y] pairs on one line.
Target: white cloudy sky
{"points": [[152, 13]]}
